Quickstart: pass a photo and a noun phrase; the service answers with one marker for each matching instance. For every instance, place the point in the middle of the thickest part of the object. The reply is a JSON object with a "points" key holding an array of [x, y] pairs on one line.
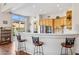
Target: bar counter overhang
{"points": [[52, 42]]}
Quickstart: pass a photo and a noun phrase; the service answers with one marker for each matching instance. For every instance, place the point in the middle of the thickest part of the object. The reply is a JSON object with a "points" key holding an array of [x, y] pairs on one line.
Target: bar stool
{"points": [[69, 43], [38, 44], [21, 43]]}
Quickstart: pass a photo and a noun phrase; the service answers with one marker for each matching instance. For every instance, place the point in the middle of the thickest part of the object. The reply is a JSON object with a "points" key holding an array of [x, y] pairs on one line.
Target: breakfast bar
{"points": [[52, 42]]}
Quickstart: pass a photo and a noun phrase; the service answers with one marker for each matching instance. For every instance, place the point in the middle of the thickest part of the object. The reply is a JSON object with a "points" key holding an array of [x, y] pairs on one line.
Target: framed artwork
{"points": [[5, 22]]}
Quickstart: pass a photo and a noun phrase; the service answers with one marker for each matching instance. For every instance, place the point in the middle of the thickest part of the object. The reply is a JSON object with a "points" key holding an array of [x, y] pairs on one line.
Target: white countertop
{"points": [[51, 34]]}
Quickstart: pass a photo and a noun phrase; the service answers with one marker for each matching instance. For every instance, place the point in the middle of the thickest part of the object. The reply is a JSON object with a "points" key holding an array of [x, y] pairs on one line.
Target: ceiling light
{"points": [[44, 12], [60, 8], [58, 5], [33, 6], [40, 9]]}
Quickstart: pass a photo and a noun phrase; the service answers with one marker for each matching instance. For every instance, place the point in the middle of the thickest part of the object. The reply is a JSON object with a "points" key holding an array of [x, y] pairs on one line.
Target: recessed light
{"points": [[60, 8], [33, 6], [40, 9], [58, 5], [44, 12]]}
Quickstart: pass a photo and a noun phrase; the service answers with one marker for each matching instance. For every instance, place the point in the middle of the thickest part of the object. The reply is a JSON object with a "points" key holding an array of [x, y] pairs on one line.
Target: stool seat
{"points": [[66, 46], [21, 43], [22, 40], [39, 44]]}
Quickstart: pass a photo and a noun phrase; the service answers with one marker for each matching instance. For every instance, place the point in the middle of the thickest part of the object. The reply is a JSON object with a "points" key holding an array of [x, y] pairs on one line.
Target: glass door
{"points": [[18, 27]]}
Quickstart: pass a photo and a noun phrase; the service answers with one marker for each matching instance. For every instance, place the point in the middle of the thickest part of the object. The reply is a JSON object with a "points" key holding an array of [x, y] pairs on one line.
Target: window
{"points": [[18, 23], [17, 17]]}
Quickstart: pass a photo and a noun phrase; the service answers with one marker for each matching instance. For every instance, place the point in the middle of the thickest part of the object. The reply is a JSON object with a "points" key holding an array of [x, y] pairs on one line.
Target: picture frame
{"points": [[5, 22]]}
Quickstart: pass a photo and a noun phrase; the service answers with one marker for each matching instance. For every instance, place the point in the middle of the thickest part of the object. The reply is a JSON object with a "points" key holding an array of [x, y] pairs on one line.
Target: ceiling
{"points": [[31, 9]]}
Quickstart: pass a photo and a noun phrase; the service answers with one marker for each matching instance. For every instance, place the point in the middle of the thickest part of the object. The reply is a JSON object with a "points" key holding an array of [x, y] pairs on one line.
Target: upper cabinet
{"points": [[46, 22], [69, 19], [59, 23]]}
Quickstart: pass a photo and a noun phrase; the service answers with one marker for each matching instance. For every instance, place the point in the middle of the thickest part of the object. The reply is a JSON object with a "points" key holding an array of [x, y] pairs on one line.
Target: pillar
{"points": [[75, 24]]}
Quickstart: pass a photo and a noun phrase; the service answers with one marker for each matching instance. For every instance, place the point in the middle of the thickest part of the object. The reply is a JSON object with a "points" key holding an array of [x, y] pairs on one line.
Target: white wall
{"points": [[75, 18], [54, 15], [5, 16]]}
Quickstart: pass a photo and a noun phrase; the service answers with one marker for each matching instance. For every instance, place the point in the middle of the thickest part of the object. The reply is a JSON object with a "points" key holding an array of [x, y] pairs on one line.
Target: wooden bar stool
{"points": [[21, 43], [69, 43], [38, 44]]}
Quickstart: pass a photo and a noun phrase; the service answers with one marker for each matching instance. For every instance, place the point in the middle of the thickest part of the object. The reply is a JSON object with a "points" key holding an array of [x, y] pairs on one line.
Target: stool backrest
{"points": [[70, 41], [35, 40], [18, 37]]}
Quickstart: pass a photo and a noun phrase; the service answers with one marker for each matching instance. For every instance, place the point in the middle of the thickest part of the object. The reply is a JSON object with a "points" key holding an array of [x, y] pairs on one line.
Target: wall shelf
{"points": [[5, 36]]}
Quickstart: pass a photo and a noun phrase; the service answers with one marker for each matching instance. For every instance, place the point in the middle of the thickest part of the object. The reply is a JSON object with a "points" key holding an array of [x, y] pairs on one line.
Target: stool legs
{"points": [[34, 50], [25, 45], [39, 50], [61, 50], [66, 51], [20, 45], [42, 51], [71, 51]]}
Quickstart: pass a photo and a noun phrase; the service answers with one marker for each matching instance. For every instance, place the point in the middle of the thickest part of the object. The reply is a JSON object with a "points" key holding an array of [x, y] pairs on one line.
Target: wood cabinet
{"points": [[69, 19], [5, 36], [46, 22], [59, 23]]}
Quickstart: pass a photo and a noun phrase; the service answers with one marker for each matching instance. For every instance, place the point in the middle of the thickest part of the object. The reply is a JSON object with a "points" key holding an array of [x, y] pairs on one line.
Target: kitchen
{"points": [[51, 25]]}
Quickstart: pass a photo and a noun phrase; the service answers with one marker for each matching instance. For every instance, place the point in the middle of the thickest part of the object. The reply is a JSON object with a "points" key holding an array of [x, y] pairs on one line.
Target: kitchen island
{"points": [[52, 42]]}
